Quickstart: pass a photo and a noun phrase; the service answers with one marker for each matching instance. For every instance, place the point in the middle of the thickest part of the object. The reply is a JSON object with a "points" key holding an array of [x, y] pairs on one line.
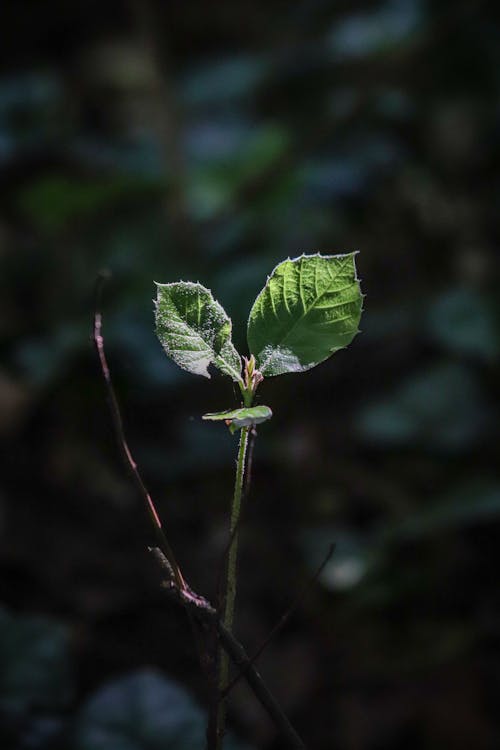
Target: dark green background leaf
{"points": [[34, 663], [440, 407], [142, 711]]}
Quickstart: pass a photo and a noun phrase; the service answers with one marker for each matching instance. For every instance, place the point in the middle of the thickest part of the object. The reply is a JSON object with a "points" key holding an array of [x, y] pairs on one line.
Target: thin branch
{"points": [[121, 439], [197, 607], [169, 560], [203, 611], [283, 619]]}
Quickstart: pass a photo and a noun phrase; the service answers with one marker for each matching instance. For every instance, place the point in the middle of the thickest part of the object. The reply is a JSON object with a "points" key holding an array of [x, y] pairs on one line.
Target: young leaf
{"points": [[309, 308], [237, 418], [194, 329]]}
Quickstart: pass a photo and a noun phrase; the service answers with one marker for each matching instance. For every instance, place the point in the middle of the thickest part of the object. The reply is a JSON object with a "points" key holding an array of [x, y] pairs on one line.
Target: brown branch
{"points": [[198, 609], [169, 561], [122, 441], [203, 611], [281, 622]]}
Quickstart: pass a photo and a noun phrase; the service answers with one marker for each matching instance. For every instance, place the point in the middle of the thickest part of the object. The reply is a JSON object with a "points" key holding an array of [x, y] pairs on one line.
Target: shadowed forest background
{"points": [[209, 141]]}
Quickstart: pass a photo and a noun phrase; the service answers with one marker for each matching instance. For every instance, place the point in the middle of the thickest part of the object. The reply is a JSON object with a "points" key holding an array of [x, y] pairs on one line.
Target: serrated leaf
{"points": [[244, 417], [309, 308], [195, 330]]}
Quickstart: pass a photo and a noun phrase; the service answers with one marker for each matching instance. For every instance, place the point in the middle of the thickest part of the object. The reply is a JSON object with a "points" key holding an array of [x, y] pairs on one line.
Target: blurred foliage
{"points": [[139, 710], [143, 711], [34, 664], [200, 141], [439, 408], [53, 203], [36, 681]]}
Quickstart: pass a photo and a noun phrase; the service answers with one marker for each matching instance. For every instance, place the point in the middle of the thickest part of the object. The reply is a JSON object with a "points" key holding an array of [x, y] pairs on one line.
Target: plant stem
{"points": [[205, 613], [230, 594], [235, 517]]}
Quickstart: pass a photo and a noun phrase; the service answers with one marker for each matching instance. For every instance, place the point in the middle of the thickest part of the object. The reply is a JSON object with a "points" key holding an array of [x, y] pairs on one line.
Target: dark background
{"points": [[209, 141]]}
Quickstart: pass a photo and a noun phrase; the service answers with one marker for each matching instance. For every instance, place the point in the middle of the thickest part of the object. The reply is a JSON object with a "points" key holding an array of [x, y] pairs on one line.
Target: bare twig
{"points": [[203, 611], [122, 442], [198, 609], [282, 621], [168, 561]]}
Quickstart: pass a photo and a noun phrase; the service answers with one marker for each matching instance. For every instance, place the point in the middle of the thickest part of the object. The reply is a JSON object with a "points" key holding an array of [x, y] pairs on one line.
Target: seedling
{"points": [[309, 308]]}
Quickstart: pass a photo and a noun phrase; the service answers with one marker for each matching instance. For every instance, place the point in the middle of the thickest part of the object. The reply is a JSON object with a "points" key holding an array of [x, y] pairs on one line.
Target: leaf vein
{"points": [[316, 300]]}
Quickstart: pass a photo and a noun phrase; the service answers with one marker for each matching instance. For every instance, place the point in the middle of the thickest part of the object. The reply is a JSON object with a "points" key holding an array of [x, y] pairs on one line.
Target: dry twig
{"points": [[175, 585]]}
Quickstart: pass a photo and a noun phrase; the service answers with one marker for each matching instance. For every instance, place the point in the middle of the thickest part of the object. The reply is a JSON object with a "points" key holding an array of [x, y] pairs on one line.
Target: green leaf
{"points": [[244, 417], [309, 308], [194, 329]]}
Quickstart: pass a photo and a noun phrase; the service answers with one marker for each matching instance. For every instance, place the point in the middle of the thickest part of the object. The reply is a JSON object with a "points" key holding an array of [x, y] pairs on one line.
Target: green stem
{"points": [[230, 594], [235, 517]]}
